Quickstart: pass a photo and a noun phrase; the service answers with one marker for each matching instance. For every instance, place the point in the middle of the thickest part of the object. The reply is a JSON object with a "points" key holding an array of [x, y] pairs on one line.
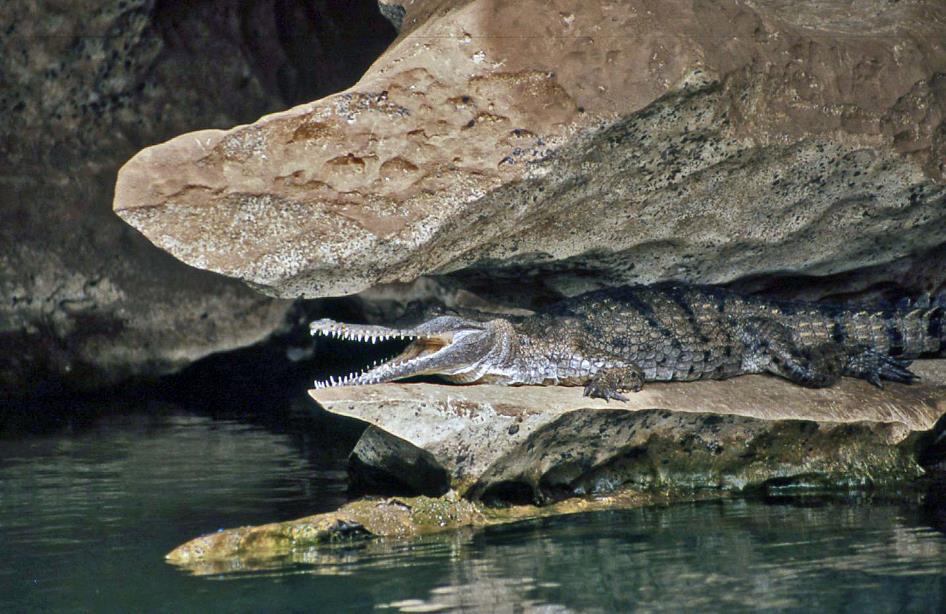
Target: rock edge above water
{"points": [[672, 442]]}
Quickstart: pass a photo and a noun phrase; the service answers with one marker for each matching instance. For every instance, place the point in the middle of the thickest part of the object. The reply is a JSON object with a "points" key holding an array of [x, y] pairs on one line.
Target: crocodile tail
{"points": [[909, 329], [929, 316]]}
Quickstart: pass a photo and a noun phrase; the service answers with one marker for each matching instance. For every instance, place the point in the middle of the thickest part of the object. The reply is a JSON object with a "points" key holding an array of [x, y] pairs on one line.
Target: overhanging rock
{"points": [[702, 142]]}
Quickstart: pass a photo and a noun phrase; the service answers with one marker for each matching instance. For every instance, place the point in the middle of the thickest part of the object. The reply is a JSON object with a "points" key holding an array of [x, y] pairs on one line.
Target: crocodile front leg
{"points": [[609, 383]]}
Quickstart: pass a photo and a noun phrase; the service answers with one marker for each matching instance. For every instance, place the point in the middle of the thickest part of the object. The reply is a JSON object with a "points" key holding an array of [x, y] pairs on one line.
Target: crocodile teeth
{"points": [[365, 334], [364, 337]]}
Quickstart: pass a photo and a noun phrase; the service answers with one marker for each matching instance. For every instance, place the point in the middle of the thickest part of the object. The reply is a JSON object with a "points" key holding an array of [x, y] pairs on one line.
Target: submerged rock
{"points": [[309, 540], [601, 143], [540, 444]]}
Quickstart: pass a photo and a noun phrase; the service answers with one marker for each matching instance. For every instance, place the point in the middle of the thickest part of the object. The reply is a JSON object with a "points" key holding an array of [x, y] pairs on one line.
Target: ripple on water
{"points": [[86, 519]]}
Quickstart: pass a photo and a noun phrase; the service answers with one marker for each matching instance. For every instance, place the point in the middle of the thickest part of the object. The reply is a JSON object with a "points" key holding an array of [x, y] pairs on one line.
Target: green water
{"points": [[87, 512]]}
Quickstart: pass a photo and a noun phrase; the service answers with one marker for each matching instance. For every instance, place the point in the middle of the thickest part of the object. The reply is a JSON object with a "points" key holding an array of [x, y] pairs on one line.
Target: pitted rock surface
{"points": [[632, 141]]}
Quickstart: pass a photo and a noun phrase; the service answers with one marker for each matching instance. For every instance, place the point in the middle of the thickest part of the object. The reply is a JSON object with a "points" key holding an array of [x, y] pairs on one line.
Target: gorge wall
{"points": [[86, 301]]}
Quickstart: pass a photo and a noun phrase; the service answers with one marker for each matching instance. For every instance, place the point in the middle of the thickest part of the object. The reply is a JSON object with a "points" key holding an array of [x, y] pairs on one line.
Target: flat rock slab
{"points": [[540, 443]]}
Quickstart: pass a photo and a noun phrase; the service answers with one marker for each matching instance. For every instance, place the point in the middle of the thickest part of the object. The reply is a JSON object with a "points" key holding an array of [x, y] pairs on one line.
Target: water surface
{"points": [[87, 514]]}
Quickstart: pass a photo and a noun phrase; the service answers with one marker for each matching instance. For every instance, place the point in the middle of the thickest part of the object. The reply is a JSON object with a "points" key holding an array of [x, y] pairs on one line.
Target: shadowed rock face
{"points": [[628, 142], [539, 444], [85, 301]]}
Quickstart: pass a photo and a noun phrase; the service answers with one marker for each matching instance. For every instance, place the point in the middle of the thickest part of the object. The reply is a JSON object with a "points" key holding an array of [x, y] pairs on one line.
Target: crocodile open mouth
{"points": [[419, 357]]}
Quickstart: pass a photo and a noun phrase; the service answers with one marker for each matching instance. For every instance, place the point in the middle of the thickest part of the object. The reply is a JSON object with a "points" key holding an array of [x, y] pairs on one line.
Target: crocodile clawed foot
{"points": [[593, 390], [875, 367], [608, 383]]}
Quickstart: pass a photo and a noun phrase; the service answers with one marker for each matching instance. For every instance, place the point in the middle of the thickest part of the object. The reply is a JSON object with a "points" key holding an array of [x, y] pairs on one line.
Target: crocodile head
{"points": [[451, 347]]}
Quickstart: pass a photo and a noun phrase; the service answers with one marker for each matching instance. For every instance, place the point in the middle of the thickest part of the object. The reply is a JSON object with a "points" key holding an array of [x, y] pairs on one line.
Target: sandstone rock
{"points": [[85, 301], [586, 142], [541, 444]]}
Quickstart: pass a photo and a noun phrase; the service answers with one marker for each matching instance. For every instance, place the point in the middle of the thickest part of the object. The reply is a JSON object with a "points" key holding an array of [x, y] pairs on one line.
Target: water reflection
{"points": [[87, 514], [90, 509], [733, 555]]}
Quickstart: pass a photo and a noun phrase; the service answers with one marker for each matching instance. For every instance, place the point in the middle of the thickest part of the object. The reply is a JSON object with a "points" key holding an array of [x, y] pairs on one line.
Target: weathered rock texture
{"points": [[628, 141], [85, 300], [541, 444]]}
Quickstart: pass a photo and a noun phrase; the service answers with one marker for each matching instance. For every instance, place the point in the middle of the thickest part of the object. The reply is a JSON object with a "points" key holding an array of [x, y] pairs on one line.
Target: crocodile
{"points": [[613, 340]]}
